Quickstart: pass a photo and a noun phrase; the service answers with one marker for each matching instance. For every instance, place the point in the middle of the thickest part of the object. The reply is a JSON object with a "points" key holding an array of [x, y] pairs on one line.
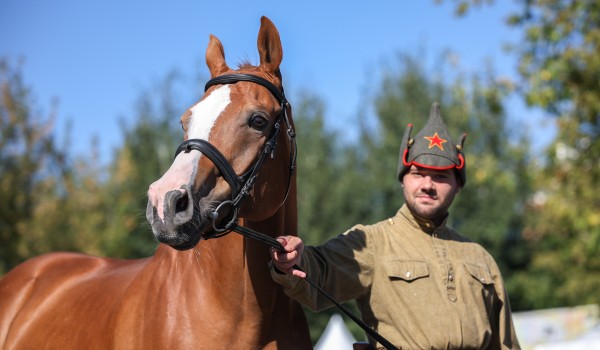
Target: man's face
{"points": [[429, 193]]}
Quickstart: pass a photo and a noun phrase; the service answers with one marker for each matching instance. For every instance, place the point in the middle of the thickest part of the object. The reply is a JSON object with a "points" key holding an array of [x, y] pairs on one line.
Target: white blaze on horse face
{"points": [[184, 169], [206, 112]]}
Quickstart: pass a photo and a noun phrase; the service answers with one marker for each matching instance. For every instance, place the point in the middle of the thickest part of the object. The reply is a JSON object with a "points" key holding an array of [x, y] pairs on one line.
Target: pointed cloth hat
{"points": [[432, 148]]}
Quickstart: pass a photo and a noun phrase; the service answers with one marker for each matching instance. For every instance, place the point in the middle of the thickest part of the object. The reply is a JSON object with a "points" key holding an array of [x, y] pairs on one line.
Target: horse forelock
{"points": [[247, 67], [246, 64]]}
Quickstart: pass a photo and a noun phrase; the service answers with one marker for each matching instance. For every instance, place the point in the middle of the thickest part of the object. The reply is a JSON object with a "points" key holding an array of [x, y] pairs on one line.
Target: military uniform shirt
{"points": [[419, 286]]}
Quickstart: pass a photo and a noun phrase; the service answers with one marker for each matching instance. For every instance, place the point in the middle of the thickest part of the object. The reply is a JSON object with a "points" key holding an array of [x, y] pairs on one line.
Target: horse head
{"points": [[238, 154]]}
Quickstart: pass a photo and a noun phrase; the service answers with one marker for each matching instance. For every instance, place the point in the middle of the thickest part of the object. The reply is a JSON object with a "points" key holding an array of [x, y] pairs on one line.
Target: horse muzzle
{"points": [[186, 220]]}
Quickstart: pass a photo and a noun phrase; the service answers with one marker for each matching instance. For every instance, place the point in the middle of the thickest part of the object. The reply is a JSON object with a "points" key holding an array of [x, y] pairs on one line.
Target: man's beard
{"points": [[434, 213], [427, 212]]}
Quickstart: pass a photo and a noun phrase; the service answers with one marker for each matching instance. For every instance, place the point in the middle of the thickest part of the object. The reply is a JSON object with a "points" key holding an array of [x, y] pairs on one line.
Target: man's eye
{"points": [[258, 122]]}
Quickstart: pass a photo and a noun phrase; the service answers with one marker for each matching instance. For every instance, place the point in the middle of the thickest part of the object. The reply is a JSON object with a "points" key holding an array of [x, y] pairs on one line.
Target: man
{"points": [[416, 281]]}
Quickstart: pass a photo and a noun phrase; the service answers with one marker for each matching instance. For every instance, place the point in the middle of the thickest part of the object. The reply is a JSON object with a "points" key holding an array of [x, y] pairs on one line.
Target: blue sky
{"points": [[96, 56]]}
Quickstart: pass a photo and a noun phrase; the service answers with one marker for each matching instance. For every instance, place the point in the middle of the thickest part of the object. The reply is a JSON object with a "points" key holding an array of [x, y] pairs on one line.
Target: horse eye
{"points": [[184, 127], [258, 122]]}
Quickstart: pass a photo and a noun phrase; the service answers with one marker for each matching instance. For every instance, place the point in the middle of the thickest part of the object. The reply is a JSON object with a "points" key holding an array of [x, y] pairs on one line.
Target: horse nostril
{"points": [[182, 204]]}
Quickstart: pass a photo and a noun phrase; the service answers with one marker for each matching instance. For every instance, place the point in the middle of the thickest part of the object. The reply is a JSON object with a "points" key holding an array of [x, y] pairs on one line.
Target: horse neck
{"points": [[285, 219], [283, 222]]}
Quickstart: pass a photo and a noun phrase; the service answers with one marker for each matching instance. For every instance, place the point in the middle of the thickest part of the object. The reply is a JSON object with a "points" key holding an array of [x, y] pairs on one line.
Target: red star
{"points": [[435, 140]]}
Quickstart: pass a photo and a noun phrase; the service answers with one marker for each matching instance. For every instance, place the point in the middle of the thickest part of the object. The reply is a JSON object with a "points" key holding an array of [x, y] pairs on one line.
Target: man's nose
{"points": [[427, 183]]}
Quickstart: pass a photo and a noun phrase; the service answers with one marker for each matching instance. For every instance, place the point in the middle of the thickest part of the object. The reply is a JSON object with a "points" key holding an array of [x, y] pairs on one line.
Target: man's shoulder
{"points": [[372, 228], [457, 236], [471, 246]]}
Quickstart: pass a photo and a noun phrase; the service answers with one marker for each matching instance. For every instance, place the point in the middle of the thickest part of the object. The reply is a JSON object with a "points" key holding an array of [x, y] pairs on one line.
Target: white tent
{"points": [[335, 336], [565, 328], [588, 341]]}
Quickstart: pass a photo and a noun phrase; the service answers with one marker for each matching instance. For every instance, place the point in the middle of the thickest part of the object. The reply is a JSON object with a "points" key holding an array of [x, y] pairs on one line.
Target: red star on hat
{"points": [[435, 140]]}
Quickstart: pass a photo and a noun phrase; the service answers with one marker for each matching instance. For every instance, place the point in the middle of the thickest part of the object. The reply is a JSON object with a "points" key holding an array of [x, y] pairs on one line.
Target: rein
{"points": [[242, 185], [270, 241]]}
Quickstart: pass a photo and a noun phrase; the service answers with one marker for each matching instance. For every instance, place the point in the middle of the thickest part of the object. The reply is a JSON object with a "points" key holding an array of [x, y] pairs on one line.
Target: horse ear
{"points": [[215, 57], [269, 46]]}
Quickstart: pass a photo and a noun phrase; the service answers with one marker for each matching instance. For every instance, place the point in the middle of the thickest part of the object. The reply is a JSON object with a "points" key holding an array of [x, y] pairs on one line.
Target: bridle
{"points": [[242, 185]]}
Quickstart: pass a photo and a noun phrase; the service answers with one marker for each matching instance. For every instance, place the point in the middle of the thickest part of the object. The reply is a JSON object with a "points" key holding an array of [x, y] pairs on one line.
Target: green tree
{"points": [[32, 168], [318, 170], [560, 68], [315, 174], [69, 211]]}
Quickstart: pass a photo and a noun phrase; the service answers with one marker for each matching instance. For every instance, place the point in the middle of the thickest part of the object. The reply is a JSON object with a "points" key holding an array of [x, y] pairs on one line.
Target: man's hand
{"points": [[285, 262]]}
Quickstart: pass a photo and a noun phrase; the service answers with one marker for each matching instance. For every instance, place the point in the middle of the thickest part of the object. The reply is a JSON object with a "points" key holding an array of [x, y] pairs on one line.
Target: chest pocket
{"points": [[407, 270], [480, 273]]}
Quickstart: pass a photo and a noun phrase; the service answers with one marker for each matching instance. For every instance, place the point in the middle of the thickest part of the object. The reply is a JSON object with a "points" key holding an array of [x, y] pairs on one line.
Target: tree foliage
{"points": [[49, 201], [560, 68]]}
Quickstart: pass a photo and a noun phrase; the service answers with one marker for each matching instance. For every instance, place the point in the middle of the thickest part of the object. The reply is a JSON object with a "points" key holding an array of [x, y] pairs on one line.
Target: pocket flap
{"points": [[408, 270], [480, 273]]}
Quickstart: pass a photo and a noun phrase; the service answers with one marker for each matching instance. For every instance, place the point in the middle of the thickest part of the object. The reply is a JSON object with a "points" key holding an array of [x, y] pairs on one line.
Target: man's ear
{"points": [[459, 184]]}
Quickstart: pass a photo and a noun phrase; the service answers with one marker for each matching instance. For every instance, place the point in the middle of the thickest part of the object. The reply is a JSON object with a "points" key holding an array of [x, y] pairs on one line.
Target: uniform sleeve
{"points": [[342, 267], [503, 331]]}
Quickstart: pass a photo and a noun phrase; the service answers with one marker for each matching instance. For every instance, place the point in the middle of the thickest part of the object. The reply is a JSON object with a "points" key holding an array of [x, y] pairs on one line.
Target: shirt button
{"points": [[408, 274], [451, 278]]}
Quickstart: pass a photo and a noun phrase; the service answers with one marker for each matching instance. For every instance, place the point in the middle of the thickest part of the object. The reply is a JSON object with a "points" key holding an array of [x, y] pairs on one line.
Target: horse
{"points": [[204, 287]]}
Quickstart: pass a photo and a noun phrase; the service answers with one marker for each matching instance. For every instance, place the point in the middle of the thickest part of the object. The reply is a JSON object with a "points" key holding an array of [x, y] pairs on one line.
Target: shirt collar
{"points": [[425, 225]]}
